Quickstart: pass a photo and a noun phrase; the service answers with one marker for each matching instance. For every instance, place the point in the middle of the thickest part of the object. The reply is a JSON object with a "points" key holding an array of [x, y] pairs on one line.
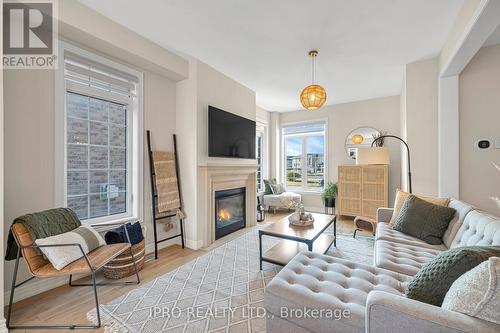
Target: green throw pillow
{"points": [[424, 220], [268, 183], [434, 279]]}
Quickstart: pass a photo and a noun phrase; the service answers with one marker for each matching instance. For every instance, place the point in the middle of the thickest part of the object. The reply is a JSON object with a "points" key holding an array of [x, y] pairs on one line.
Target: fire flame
{"points": [[224, 214]]}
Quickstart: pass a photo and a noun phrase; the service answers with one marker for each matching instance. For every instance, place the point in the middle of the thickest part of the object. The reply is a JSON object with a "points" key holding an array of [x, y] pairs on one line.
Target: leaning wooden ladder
{"points": [[154, 196]]}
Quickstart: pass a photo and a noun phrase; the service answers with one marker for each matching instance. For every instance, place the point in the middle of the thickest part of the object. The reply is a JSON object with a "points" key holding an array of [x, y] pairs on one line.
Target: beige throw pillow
{"points": [[61, 256], [477, 292], [401, 197]]}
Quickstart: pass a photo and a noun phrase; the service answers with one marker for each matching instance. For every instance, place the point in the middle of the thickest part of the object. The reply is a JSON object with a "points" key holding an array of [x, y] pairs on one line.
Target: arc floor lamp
{"points": [[407, 150]]}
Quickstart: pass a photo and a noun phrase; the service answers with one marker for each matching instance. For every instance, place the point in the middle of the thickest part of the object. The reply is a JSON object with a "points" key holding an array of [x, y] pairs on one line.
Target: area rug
{"points": [[221, 291]]}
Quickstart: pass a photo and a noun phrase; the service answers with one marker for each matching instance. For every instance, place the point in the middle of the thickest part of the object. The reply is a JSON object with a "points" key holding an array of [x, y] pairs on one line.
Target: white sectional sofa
{"points": [[373, 296]]}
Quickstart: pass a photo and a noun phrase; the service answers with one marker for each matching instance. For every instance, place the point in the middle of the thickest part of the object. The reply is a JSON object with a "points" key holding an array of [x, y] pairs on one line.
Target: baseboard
{"points": [[194, 244], [37, 286], [34, 287], [315, 209], [150, 247], [3, 326]]}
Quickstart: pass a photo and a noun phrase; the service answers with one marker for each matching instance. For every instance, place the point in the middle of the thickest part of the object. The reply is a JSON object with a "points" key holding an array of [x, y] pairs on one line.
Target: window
{"points": [[102, 141], [304, 156], [259, 155]]}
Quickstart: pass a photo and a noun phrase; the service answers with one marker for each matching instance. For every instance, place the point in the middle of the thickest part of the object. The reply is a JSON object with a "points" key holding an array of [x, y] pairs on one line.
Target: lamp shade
{"points": [[313, 97], [374, 155]]}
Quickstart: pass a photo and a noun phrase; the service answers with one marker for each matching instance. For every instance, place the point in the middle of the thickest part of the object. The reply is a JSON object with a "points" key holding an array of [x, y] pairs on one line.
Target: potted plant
{"points": [[329, 194]]}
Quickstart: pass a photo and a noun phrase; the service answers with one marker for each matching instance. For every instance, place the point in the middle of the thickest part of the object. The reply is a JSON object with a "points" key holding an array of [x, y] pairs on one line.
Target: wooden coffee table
{"points": [[296, 239]]}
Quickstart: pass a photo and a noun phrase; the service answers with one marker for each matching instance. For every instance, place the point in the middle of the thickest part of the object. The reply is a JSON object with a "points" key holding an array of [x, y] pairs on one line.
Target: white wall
{"points": [[219, 90], [187, 134], [420, 114], [480, 119], [380, 113], [3, 328], [262, 115], [205, 86]]}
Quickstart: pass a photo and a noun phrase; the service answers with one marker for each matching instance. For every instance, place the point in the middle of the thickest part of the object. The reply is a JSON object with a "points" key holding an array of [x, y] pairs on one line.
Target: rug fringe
{"points": [[109, 324]]}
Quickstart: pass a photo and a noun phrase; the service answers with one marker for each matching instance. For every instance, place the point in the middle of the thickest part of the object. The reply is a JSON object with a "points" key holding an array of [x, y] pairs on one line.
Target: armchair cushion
{"points": [[59, 257], [97, 258]]}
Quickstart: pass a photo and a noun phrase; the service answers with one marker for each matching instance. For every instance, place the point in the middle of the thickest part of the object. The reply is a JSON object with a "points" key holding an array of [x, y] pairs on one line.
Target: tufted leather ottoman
{"points": [[319, 293]]}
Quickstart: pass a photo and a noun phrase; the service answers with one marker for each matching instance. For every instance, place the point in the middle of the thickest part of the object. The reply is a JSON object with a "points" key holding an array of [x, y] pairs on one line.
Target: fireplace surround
{"points": [[217, 177]]}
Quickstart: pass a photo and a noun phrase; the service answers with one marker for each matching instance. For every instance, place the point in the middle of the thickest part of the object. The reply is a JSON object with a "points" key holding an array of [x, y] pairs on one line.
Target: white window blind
{"points": [[304, 128], [78, 69]]}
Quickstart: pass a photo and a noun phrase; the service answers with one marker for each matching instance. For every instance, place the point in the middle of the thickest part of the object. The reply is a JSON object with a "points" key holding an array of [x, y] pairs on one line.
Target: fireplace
{"points": [[229, 211]]}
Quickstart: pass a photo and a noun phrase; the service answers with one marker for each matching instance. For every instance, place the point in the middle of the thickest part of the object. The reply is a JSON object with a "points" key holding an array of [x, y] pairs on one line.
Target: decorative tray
{"points": [[295, 220]]}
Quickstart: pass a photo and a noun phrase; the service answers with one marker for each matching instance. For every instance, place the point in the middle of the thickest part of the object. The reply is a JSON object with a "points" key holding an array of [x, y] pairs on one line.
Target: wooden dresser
{"points": [[362, 189]]}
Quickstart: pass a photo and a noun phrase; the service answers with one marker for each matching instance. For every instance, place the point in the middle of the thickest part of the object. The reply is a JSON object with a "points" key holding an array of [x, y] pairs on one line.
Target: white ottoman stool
{"points": [[319, 293]]}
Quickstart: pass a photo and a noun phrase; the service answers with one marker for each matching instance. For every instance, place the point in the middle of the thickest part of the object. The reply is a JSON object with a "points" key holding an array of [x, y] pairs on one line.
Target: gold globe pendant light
{"points": [[313, 96]]}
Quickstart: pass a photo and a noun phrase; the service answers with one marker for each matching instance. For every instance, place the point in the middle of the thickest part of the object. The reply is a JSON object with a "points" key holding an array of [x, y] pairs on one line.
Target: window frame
{"points": [[303, 188], [134, 140], [261, 129]]}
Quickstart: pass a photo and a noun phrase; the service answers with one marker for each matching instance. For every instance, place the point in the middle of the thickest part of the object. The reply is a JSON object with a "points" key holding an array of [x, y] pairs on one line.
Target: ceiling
{"points": [[363, 45], [494, 38]]}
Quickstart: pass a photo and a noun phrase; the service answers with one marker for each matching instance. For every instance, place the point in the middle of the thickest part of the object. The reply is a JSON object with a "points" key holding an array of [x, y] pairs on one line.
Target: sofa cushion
{"points": [[423, 220], [403, 258], [434, 279], [477, 292], [478, 228], [401, 197], [462, 209], [386, 232], [315, 281]]}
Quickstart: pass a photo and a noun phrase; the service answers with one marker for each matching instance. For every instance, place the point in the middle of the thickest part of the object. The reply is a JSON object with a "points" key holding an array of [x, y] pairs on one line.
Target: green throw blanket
{"points": [[43, 224]]}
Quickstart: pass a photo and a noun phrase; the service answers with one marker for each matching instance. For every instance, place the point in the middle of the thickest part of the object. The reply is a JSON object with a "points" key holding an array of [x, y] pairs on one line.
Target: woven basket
{"points": [[122, 266]]}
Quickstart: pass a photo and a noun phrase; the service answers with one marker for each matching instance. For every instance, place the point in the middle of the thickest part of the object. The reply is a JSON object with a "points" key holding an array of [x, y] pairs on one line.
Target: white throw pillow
{"points": [[61, 256], [477, 292]]}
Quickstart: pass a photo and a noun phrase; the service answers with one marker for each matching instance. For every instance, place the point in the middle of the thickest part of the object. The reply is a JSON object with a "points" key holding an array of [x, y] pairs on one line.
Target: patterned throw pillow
{"points": [[61, 256], [423, 220], [401, 197], [280, 188], [477, 292], [275, 188], [434, 279]]}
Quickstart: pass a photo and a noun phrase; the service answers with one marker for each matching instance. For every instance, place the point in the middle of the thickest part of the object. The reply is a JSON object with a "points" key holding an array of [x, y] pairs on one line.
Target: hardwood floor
{"points": [[69, 305]]}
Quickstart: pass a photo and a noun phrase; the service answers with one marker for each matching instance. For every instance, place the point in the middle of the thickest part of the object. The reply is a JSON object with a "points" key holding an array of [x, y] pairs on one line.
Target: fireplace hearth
{"points": [[229, 211]]}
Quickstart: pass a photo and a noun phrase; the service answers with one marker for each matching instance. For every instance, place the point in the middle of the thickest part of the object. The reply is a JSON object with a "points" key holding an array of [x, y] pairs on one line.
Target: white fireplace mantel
{"points": [[217, 177]]}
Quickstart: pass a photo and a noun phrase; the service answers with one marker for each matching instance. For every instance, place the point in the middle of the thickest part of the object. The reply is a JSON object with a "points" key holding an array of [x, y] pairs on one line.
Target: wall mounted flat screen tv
{"points": [[230, 135]]}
